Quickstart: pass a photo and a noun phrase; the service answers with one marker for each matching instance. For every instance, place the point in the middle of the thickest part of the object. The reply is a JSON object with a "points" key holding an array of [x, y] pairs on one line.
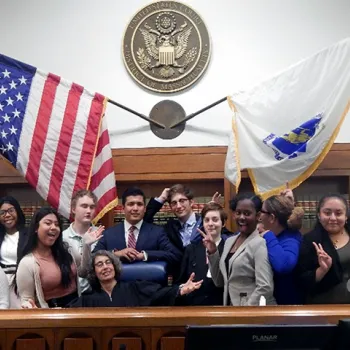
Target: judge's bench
{"points": [[156, 328]]}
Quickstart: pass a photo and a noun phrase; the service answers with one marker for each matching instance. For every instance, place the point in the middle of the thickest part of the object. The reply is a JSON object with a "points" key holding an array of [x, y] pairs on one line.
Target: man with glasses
{"points": [[182, 230]]}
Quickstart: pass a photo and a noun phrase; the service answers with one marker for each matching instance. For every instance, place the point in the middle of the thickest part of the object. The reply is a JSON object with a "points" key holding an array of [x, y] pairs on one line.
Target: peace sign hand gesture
{"points": [[324, 260], [208, 242]]}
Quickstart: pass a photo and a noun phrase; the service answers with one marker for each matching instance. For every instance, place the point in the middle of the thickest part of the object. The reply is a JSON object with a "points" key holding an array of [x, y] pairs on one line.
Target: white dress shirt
{"points": [[127, 226]]}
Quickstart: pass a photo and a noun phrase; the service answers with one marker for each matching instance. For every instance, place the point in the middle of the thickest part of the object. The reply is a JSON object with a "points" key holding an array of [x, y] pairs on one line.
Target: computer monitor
{"points": [[259, 337], [343, 335]]}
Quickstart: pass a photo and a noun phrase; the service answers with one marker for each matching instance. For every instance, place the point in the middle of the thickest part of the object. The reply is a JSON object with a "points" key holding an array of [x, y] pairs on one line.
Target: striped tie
{"points": [[131, 237]]}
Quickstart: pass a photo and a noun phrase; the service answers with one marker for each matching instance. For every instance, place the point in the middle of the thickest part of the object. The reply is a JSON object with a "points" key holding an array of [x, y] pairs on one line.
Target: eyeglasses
{"points": [[181, 201], [101, 263], [265, 212], [11, 210]]}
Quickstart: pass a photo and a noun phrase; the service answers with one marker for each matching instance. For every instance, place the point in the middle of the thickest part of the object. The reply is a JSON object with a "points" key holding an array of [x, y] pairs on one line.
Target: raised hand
{"points": [[92, 236], [190, 286], [208, 241], [287, 192], [164, 195], [324, 260], [216, 198]]}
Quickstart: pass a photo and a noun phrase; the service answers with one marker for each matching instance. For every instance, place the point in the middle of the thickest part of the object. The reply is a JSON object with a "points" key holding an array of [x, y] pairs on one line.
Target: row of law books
{"points": [[310, 203], [29, 208], [163, 216]]}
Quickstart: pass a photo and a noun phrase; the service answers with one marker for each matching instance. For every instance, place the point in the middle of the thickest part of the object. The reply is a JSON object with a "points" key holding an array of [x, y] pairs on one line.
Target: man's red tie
{"points": [[131, 237]]}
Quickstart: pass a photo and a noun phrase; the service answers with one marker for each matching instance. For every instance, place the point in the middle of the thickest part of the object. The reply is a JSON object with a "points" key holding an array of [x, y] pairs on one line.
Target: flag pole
{"points": [[190, 116], [142, 116]]}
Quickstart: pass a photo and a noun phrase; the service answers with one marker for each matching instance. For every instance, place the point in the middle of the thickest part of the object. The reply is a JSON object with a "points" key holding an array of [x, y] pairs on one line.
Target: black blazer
{"points": [[21, 240], [308, 264], [152, 239], [195, 260], [172, 227]]}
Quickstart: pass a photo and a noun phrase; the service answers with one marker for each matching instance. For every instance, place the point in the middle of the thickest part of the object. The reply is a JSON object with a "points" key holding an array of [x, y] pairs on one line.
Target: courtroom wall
{"points": [[251, 41]]}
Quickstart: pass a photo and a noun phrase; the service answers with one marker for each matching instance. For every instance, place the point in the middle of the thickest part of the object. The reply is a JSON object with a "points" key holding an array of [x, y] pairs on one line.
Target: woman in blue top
{"points": [[282, 222]]}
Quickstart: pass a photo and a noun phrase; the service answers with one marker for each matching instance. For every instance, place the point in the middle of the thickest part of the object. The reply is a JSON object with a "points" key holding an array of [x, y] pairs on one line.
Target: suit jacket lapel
{"points": [[121, 236], [225, 252], [142, 237], [241, 249]]}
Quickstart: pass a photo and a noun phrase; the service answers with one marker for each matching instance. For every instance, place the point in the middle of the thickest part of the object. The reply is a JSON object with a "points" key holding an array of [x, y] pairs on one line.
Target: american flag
{"points": [[55, 133]]}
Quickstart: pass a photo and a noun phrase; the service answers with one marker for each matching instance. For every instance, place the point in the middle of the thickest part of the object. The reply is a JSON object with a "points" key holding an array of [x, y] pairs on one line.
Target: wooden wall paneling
{"points": [[172, 343], [78, 338], [2, 340], [78, 344], [229, 192], [133, 338], [28, 339], [168, 338], [30, 344], [126, 344]]}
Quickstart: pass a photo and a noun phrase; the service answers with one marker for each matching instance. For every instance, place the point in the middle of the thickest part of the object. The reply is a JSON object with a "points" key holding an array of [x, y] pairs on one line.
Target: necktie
{"points": [[131, 237]]}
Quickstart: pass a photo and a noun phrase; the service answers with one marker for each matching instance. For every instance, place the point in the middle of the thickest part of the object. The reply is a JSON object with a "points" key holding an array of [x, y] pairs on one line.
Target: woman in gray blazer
{"points": [[244, 269]]}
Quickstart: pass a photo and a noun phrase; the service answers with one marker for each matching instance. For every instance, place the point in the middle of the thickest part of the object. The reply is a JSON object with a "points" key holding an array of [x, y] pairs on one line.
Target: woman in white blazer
{"points": [[244, 269]]}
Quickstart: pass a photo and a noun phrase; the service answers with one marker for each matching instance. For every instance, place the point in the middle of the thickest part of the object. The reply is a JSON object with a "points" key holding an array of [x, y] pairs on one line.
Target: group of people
{"points": [[44, 266]]}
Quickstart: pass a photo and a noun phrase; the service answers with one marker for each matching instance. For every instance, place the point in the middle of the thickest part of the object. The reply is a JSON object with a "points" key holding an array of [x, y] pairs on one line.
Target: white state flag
{"points": [[283, 128]]}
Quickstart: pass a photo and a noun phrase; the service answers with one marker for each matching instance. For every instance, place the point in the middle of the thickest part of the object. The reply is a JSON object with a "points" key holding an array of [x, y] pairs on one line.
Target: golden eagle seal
{"points": [[166, 46]]}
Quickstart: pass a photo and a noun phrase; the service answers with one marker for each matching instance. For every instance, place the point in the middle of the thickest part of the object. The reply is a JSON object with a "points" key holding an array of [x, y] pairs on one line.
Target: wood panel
{"points": [[134, 339], [29, 344], [126, 344], [30, 338], [177, 163], [78, 344], [165, 337], [2, 339], [172, 343], [78, 338], [142, 328]]}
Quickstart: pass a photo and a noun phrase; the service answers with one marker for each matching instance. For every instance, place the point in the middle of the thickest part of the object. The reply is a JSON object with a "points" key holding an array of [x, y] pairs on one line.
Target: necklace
{"points": [[336, 241]]}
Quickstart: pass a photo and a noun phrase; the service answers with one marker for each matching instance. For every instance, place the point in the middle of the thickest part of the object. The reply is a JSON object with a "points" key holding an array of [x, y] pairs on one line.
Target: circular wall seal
{"points": [[166, 46]]}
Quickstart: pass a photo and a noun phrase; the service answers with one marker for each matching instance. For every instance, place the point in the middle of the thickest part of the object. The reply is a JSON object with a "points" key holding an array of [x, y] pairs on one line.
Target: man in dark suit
{"points": [[181, 230], [136, 240]]}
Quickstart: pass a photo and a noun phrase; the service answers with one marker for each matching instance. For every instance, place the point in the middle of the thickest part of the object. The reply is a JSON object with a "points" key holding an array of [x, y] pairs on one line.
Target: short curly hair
{"points": [[92, 278]]}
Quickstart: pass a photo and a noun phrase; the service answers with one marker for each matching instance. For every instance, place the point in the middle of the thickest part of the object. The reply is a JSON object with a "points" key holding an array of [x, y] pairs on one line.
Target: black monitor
{"points": [[343, 335], [259, 337]]}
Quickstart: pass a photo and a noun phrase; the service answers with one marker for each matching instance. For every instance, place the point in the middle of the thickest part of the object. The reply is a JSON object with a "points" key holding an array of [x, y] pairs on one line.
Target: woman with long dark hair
{"points": [[324, 260], [48, 268], [12, 239]]}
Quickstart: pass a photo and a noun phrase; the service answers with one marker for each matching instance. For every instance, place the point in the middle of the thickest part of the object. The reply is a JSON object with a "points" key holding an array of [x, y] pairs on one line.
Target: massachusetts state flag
{"points": [[55, 133], [283, 128]]}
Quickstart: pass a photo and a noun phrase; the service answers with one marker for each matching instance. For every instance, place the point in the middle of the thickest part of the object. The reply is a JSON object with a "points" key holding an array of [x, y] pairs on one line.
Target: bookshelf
{"points": [[201, 168]]}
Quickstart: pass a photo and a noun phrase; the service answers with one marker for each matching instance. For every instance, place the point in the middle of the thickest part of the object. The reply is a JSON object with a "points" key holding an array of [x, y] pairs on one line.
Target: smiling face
{"points": [[246, 216], [333, 215], [134, 209], [8, 217], [104, 268], [212, 223], [181, 206], [48, 230]]}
